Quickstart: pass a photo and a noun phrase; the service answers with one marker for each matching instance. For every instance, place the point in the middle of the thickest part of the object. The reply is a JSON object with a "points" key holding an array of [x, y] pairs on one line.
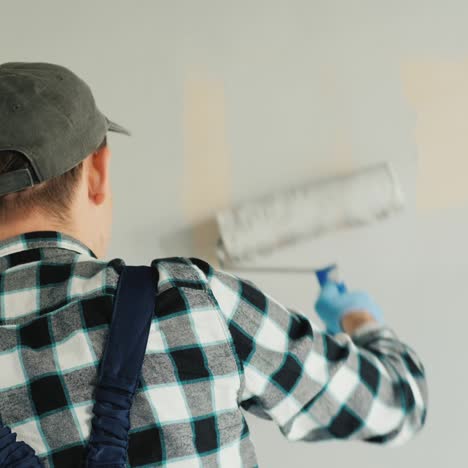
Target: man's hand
{"points": [[346, 311], [354, 320]]}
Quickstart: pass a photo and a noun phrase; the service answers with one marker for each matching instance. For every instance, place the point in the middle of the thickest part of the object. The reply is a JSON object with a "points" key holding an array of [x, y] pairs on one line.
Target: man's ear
{"points": [[98, 175]]}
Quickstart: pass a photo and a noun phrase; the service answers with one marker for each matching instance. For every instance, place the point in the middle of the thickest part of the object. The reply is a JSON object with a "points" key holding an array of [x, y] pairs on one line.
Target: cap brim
{"points": [[113, 127]]}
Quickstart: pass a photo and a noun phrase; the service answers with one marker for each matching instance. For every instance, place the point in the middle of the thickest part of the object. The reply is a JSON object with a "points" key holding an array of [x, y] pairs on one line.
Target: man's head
{"points": [[78, 202], [54, 158]]}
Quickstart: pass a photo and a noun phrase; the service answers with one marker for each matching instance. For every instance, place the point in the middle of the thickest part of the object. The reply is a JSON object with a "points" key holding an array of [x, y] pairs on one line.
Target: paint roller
{"points": [[256, 228]]}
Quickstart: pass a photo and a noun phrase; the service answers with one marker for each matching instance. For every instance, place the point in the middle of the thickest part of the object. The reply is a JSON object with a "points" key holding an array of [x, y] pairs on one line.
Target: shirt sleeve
{"points": [[369, 386]]}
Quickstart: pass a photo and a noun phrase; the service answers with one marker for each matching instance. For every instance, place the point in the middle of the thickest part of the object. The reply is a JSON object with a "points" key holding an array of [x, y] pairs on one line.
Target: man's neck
{"points": [[17, 228], [41, 223]]}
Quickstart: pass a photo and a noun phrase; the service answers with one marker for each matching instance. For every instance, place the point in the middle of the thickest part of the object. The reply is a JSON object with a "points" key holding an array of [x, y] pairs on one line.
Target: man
{"points": [[217, 343]]}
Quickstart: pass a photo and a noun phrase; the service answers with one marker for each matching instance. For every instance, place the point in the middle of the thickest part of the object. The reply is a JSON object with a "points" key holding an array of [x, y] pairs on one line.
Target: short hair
{"points": [[53, 196]]}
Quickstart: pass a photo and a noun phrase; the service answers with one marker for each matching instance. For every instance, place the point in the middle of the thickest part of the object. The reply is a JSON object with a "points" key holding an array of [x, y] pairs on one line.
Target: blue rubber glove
{"points": [[332, 305]]}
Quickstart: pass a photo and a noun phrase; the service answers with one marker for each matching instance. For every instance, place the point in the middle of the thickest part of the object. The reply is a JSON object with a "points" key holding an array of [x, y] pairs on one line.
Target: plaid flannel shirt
{"points": [[217, 345]]}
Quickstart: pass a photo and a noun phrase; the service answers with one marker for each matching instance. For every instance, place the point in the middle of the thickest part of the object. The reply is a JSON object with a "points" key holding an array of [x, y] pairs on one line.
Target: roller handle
{"points": [[330, 273]]}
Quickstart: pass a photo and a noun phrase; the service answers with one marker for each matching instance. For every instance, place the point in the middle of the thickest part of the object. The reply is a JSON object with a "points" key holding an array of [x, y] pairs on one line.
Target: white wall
{"points": [[302, 89]]}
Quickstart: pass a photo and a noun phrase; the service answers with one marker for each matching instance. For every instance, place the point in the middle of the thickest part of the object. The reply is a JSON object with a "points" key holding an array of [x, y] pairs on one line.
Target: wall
{"points": [[228, 100]]}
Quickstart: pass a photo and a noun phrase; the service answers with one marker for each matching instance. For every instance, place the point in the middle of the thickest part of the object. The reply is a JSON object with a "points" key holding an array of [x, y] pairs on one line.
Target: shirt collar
{"points": [[43, 239]]}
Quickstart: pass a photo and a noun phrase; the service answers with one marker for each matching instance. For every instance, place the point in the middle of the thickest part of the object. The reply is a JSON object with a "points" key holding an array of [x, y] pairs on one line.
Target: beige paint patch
{"points": [[438, 91], [339, 154], [207, 164]]}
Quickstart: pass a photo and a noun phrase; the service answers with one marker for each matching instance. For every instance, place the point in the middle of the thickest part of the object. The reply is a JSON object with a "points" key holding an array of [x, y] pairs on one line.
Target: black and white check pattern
{"points": [[217, 345]]}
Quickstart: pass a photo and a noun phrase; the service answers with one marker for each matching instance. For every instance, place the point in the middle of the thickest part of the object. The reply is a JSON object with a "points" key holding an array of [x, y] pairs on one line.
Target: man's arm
{"points": [[315, 386]]}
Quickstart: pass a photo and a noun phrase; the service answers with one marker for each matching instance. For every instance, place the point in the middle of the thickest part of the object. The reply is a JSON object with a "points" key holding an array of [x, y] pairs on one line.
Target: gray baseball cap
{"points": [[48, 114]]}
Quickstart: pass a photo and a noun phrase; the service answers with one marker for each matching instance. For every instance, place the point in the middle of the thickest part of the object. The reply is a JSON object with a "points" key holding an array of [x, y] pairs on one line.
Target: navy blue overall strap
{"points": [[120, 367], [14, 453]]}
